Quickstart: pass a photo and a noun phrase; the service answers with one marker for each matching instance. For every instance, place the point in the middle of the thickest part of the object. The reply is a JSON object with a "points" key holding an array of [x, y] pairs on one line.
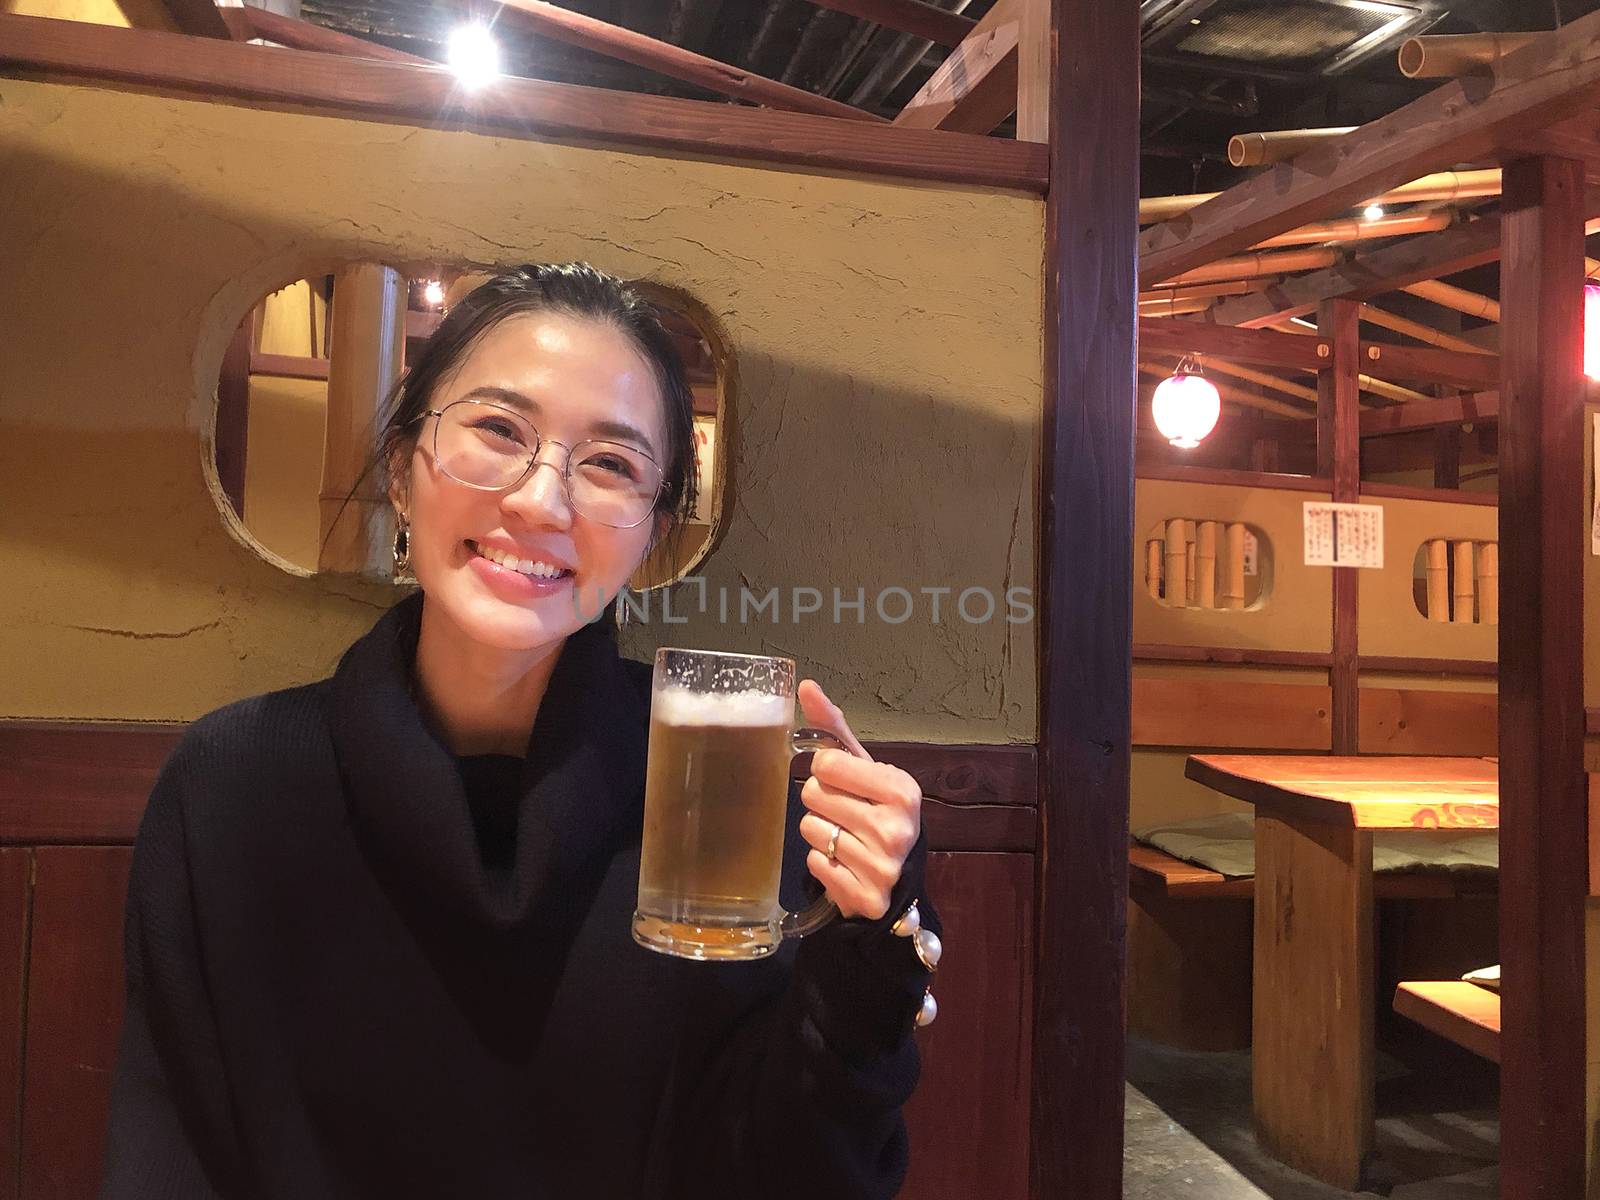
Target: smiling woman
{"points": [[309, 380]]}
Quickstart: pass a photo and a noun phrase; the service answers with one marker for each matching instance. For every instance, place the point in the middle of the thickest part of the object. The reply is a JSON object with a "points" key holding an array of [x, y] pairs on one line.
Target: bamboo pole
{"points": [[1254, 149], [1205, 565], [1232, 287], [1374, 315], [1438, 580], [1436, 56], [1450, 296], [1489, 583], [1165, 307], [1251, 375], [1390, 391], [1233, 589], [1359, 229], [366, 341], [1152, 568], [1462, 613], [1190, 590], [1176, 541], [1257, 264], [1441, 186]]}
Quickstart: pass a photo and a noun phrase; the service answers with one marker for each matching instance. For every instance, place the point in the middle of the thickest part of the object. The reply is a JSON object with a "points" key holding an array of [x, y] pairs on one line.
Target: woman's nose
{"points": [[542, 496]]}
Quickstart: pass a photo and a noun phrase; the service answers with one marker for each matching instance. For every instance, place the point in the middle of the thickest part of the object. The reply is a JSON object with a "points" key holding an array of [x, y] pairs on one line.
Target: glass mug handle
{"points": [[822, 910]]}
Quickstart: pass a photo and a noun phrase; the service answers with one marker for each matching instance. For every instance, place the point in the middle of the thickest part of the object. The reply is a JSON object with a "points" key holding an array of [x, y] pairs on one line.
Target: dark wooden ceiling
{"points": [[1212, 67]]}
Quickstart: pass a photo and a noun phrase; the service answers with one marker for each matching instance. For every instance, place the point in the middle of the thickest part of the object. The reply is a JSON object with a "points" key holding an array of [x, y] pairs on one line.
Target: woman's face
{"points": [[576, 376]]}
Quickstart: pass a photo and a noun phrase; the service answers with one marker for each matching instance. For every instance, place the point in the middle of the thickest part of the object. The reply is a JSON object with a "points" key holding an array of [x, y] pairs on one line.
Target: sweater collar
{"points": [[582, 778]]}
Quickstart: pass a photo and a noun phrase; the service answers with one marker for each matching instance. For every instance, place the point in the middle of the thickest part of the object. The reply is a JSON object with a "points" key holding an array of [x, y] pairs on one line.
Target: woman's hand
{"points": [[876, 808]]}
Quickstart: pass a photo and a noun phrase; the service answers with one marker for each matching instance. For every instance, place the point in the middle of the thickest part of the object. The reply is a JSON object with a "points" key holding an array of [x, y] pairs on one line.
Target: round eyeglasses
{"points": [[494, 449]]}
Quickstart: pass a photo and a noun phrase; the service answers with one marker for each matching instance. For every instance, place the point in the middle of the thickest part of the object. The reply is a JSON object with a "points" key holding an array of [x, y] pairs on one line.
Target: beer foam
{"points": [[681, 706]]}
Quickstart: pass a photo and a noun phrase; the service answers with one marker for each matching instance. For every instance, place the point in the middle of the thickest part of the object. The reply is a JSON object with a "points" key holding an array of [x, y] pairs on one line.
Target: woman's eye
{"points": [[612, 464], [500, 429]]}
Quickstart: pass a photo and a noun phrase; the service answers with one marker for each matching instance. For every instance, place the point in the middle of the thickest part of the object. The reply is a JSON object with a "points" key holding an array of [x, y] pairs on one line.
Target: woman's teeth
{"points": [[522, 566]]}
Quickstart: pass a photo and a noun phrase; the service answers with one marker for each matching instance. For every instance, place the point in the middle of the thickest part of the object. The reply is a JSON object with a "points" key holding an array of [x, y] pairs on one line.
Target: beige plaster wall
{"points": [[884, 422]]}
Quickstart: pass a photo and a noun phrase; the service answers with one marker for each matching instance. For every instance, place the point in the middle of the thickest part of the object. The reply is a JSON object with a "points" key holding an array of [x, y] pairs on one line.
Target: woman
{"points": [[378, 926]]}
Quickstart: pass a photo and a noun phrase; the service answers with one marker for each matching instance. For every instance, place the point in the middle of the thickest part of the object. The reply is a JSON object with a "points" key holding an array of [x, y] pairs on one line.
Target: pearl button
{"points": [[910, 921], [929, 948], [929, 1010]]}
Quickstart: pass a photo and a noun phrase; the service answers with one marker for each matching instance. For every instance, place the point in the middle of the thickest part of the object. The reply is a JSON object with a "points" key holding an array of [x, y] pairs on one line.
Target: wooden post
{"points": [[1205, 565], [1190, 592], [1152, 568], [1489, 583], [366, 338], [1339, 459], [1438, 568], [1543, 809], [1462, 611], [1233, 592], [1177, 576], [1086, 633]]}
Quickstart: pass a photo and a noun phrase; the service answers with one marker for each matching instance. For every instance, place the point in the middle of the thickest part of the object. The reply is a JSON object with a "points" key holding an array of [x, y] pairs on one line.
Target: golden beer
{"points": [[716, 798]]}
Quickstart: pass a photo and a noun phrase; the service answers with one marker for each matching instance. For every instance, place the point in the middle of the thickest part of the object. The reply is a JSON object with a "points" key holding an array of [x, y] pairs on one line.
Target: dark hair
{"points": [[575, 289]]}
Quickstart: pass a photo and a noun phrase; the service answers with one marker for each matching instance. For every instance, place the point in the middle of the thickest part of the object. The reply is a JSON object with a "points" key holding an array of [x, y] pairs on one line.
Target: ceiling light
{"points": [[1372, 212], [433, 293], [473, 55]]}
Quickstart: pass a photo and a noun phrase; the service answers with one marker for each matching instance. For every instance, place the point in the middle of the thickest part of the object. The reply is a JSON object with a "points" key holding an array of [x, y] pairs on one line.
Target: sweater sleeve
{"points": [[170, 1133], [801, 1095]]}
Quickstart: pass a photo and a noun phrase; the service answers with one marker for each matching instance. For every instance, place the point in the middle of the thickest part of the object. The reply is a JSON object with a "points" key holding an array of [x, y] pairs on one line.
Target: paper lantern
{"points": [[1186, 406]]}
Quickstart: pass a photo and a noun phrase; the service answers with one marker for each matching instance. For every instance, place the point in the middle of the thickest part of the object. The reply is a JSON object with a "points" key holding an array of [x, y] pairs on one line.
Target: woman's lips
{"points": [[512, 584]]}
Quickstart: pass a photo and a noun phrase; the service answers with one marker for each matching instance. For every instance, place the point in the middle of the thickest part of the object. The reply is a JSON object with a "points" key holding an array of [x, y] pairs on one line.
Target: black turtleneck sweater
{"points": [[358, 966]]}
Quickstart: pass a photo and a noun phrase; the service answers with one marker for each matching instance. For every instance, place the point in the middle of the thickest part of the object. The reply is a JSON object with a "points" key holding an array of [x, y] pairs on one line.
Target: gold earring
{"points": [[402, 543]]}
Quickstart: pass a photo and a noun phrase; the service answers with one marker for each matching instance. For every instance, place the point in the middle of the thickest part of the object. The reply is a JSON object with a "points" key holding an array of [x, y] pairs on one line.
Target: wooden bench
{"points": [[1189, 964], [1155, 872], [1460, 1012]]}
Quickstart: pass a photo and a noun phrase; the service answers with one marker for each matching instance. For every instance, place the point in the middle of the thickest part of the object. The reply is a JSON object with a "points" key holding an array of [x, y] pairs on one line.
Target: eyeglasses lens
{"points": [[486, 446]]}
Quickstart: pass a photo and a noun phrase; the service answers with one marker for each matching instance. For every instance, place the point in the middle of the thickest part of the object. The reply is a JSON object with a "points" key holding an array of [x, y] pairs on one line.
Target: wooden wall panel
{"points": [[74, 1007], [14, 870], [1413, 721], [1187, 712], [969, 1117]]}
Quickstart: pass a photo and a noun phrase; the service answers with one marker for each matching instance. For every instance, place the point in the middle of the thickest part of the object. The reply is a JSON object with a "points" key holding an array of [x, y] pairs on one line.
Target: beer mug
{"points": [[716, 799]]}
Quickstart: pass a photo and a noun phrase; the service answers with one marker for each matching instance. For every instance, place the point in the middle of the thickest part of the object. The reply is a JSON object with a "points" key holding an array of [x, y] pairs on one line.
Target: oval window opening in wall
{"points": [[288, 454], [1199, 563]]}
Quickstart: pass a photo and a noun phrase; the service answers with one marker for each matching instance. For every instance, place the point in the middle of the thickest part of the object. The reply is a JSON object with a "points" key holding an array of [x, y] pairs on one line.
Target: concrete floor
{"points": [[1189, 1130]]}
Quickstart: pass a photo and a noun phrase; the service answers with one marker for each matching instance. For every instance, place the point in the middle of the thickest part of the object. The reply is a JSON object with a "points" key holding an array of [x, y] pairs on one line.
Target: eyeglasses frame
{"points": [[533, 463]]}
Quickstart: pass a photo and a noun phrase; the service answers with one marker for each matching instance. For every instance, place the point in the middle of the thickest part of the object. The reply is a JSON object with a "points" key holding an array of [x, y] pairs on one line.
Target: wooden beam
{"points": [[199, 18], [1428, 414], [1441, 187], [1449, 296], [1086, 634], [525, 108], [1463, 120], [1368, 273], [1159, 335], [1475, 372], [1339, 459], [1543, 860], [250, 22], [976, 87], [907, 16], [625, 45]]}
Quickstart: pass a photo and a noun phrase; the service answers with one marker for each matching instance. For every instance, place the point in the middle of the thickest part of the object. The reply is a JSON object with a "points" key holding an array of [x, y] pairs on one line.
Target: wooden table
{"points": [[1312, 1014]]}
